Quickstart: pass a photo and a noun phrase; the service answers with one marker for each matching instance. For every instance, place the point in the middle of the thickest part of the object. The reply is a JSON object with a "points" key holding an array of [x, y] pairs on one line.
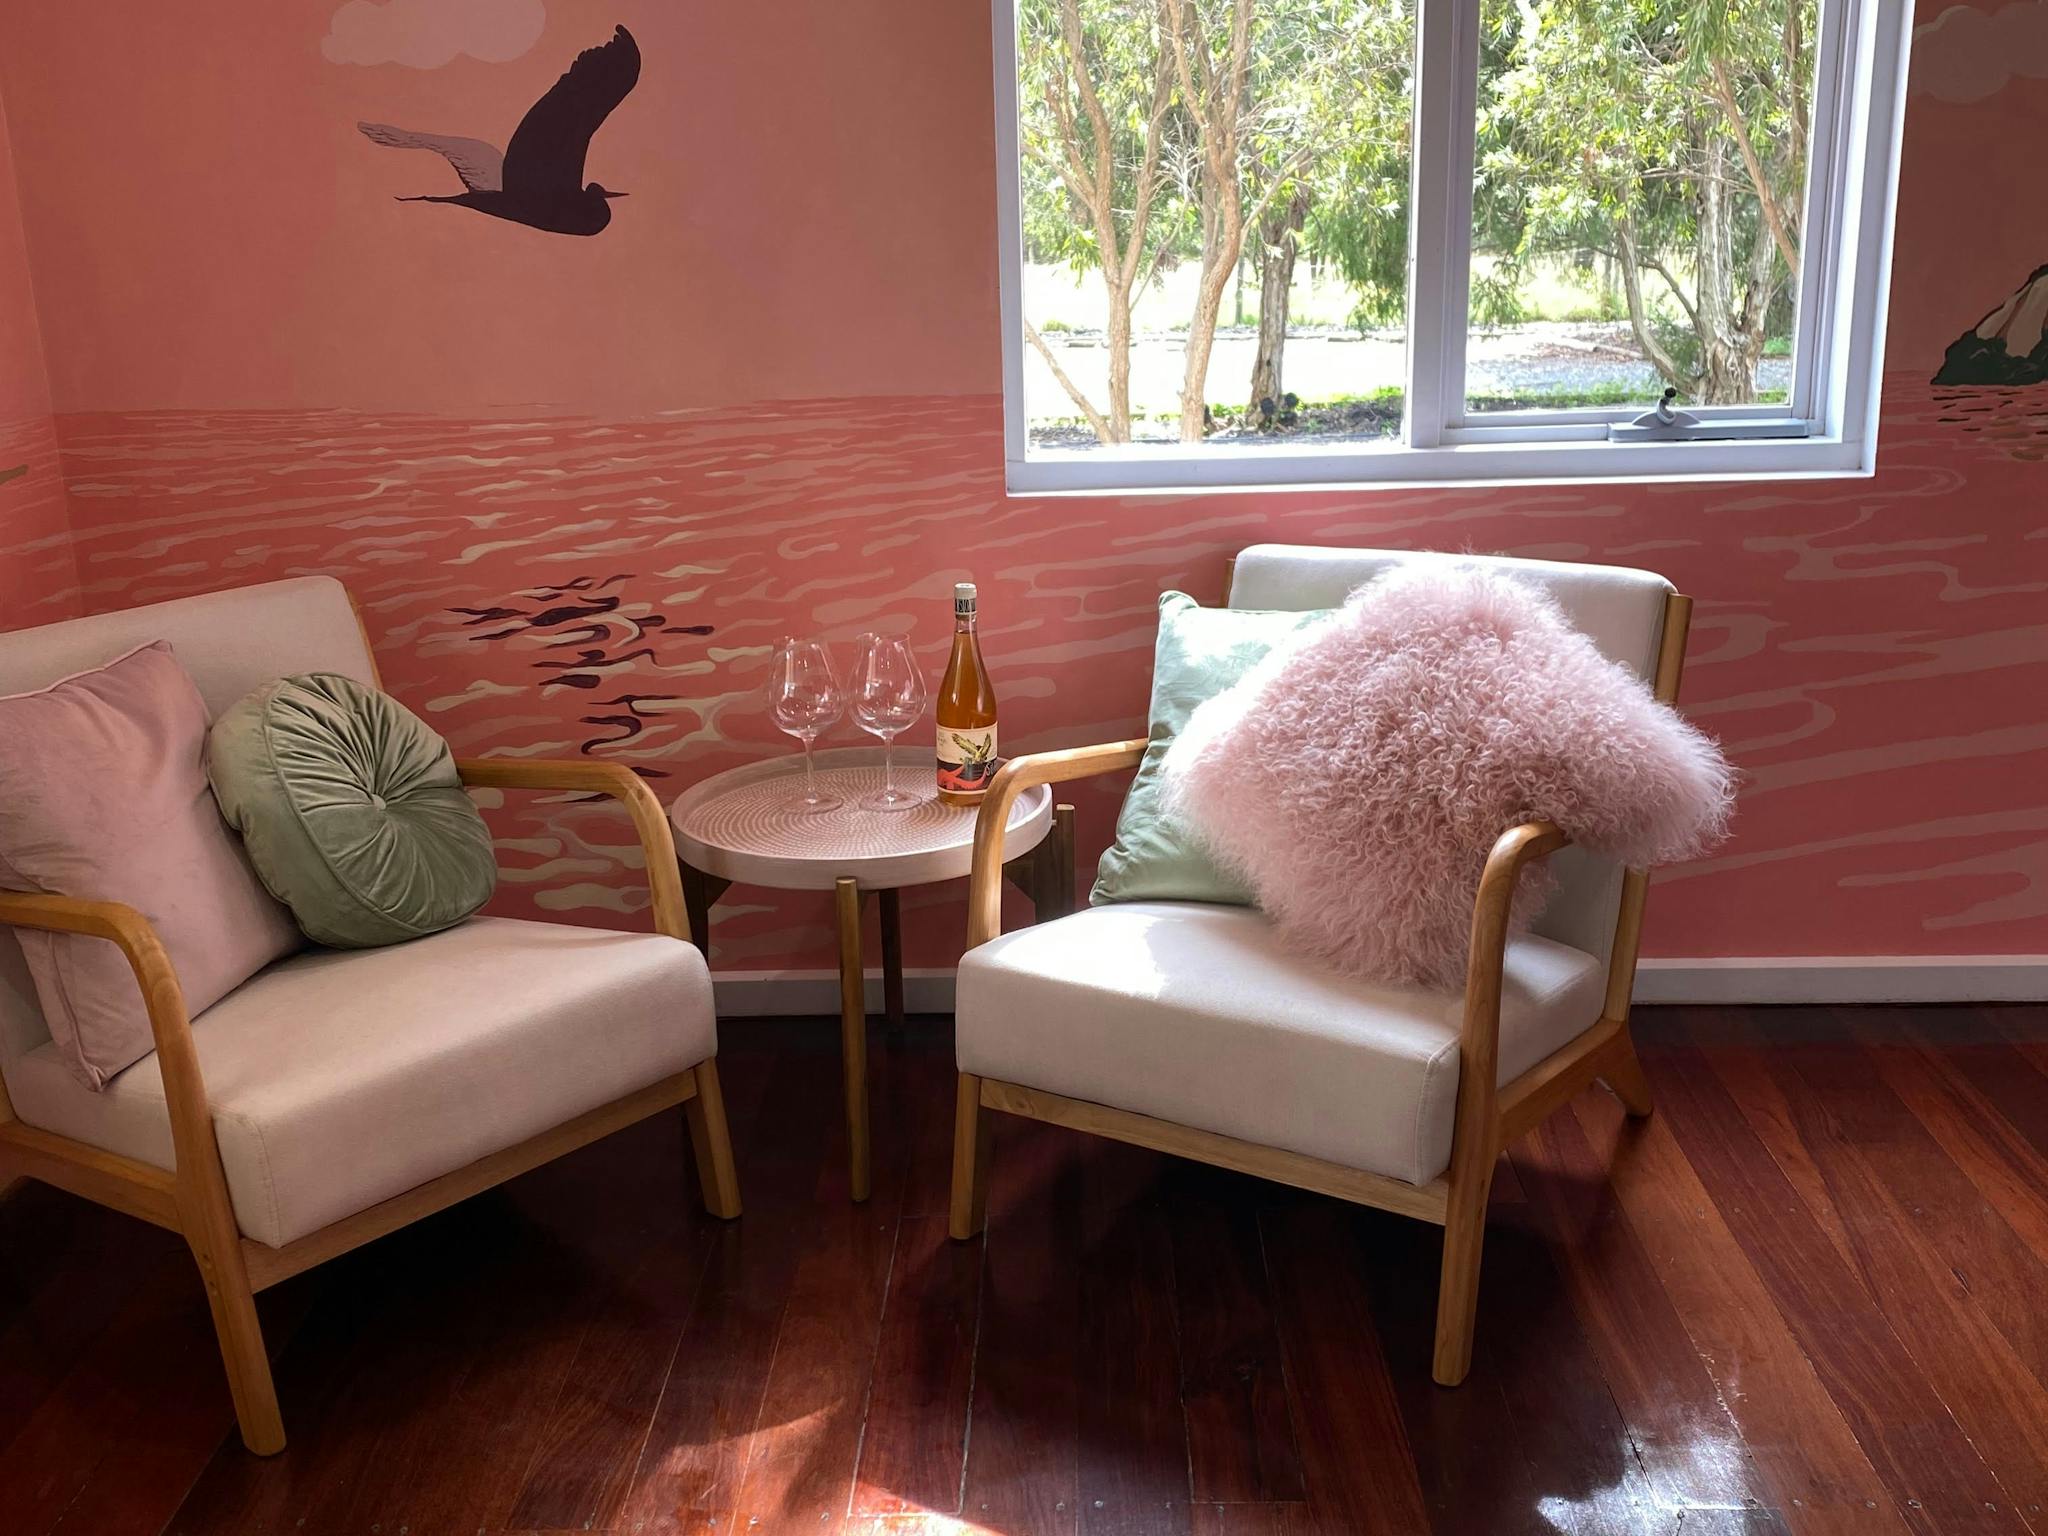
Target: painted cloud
{"points": [[1965, 54], [425, 34]]}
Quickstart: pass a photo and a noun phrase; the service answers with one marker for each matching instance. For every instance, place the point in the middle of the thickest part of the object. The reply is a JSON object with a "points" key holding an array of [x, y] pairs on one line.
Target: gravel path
{"points": [[1326, 365]]}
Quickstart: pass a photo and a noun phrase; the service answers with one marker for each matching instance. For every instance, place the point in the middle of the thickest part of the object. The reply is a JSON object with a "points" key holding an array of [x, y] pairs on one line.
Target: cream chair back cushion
{"points": [[1622, 610], [230, 642]]}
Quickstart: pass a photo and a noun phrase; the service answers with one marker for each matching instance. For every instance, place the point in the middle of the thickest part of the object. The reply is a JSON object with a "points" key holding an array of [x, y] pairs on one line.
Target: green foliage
{"points": [[1359, 174], [1497, 298], [1658, 147], [1120, 59], [1617, 126]]}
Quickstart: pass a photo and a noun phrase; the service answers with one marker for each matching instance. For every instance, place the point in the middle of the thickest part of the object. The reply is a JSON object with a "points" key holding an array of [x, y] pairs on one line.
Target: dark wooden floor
{"points": [[1810, 1294]]}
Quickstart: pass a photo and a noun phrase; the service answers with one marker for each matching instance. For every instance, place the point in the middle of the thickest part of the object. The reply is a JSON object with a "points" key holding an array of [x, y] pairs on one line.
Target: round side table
{"points": [[746, 827]]}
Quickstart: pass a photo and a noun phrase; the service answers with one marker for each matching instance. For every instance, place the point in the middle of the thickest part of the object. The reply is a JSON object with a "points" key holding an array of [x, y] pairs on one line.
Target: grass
{"points": [[1559, 399], [1381, 409]]}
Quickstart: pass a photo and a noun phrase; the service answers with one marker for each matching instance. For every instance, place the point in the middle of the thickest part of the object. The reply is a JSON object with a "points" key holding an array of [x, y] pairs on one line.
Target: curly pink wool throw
{"points": [[1359, 775]]}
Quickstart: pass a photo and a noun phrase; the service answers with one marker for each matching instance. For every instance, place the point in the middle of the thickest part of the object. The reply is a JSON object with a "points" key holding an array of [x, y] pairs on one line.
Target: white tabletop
{"points": [[747, 825]]}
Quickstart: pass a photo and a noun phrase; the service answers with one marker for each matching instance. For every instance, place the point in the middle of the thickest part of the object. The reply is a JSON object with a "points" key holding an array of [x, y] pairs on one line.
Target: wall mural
{"points": [[538, 178], [609, 637], [426, 34], [552, 586], [583, 534], [2008, 346]]}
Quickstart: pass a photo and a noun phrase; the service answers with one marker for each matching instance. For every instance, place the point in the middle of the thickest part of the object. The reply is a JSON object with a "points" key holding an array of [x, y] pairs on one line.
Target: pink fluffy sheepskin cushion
{"points": [[1360, 774]]}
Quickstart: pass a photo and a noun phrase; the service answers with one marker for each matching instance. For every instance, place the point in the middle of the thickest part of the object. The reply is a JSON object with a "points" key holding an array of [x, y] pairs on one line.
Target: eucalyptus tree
{"points": [[1096, 93], [1347, 67], [1669, 136], [1286, 103]]}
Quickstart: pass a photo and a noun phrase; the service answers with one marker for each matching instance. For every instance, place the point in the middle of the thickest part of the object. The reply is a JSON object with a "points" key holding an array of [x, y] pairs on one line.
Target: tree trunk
{"points": [[1727, 359], [1119, 339], [1630, 264], [1194, 389], [1727, 373], [1279, 241]]}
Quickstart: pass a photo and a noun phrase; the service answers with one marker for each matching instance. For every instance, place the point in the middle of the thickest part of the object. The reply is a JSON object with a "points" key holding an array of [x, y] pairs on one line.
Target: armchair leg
{"points": [[1457, 1296], [228, 1293], [1624, 1075], [711, 1142], [972, 1134]]}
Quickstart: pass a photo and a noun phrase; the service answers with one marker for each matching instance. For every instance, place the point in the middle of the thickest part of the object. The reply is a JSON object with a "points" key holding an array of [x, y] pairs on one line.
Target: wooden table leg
{"points": [[892, 957], [853, 1035], [1023, 874], [699, 892], [1061, 844], [1046, 873]]}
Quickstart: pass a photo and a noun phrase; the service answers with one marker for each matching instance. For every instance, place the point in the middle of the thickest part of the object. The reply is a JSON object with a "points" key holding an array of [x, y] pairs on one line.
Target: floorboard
{"points": [[1913, 1440], [1023, 1437], [1342, 1397], [1821, 1481], [1133, 1436], [1809, 1295], [1465, 1494], [1240, 1431], [1686, 1442]]}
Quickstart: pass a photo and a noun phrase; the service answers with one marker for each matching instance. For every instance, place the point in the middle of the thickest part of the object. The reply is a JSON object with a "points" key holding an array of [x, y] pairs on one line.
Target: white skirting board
{"points": [[1845, 979], [1757, 979]]}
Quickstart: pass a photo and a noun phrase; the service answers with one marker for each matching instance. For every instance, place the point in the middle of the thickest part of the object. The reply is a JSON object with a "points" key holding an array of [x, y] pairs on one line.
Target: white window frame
{"points": [[1838, 343]]}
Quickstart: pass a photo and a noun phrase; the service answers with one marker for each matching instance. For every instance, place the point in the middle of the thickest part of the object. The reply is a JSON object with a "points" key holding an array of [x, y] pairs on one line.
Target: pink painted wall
{"points": [[38, 565], [811, 212], [581, 485]]}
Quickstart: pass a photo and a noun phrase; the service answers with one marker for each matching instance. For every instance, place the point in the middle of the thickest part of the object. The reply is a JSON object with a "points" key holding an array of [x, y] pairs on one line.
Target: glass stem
{"points": [[889, 768], [810, 774]]}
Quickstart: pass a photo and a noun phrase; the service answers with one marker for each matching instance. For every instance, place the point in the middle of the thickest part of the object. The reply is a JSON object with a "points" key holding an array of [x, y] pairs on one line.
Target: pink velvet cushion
{"points": [[1359, 775], [103, 795]]}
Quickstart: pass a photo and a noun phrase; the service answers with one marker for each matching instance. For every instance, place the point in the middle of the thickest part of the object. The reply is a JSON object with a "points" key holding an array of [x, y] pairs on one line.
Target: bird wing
{"points": [[546, 151], [480, 166]]}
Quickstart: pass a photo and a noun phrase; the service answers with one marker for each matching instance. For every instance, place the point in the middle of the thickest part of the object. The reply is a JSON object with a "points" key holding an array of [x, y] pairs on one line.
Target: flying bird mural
{"points": [[538, 179]]}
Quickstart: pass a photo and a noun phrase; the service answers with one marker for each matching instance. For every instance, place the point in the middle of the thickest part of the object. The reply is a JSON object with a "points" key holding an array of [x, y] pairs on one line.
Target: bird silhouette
{"points": [[538, 179]]}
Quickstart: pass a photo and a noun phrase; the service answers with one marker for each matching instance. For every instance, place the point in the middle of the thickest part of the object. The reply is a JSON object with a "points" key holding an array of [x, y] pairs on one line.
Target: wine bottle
{"points": [[965, 711]]}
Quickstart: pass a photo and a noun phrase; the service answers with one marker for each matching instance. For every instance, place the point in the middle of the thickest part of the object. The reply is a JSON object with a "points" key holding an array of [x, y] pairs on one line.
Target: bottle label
{"points": [[967, 758]]}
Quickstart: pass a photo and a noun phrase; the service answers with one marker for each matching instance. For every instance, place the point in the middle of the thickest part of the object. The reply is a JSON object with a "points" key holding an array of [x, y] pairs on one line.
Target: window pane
{"points": [[1637, 199], [1215, 220]]}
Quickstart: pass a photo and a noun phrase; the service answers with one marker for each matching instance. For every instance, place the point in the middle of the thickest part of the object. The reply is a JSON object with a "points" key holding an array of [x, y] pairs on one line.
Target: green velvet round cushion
{"points": [[351, 810]]}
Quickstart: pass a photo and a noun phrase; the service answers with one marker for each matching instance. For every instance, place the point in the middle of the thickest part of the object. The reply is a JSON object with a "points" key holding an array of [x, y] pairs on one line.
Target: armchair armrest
{"points": [[1479, 1036], [650, 822], [985, 883], [162, 997]]}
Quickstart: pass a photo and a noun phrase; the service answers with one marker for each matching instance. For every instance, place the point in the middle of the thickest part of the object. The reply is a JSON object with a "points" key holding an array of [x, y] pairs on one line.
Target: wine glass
{"points": [[888, 697], [807, 699]]}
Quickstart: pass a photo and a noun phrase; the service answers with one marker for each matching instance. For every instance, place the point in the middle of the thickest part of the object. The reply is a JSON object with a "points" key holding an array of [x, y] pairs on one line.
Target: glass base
{"points": [[816, 805], [891, 800]]}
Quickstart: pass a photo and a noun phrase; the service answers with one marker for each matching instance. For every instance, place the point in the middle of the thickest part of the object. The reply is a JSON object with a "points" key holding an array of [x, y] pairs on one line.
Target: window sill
{"points": [[1135, 470]]}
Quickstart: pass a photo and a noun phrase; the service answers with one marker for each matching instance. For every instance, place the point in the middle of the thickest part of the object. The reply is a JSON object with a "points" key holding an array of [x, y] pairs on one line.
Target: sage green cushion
{"points": [[1201, 652], [351, 810]]}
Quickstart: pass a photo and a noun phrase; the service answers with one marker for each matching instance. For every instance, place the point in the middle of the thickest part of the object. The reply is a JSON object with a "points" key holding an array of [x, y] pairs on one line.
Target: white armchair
{"points": [[336, 1096], [1186, 1027]]}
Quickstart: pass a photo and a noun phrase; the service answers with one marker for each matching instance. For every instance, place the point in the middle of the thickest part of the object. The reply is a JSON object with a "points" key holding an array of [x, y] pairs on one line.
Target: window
{"points": [[1268, 242]]}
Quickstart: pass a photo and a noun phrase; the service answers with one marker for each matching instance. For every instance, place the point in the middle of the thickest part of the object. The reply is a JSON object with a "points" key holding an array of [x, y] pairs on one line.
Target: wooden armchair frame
{"points": [[193, 1199], [1488, 1116]]}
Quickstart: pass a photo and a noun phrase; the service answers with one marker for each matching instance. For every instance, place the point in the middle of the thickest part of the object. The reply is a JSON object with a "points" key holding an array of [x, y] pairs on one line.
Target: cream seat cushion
{"points": [[342, 1078], [1194, 1014]]}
